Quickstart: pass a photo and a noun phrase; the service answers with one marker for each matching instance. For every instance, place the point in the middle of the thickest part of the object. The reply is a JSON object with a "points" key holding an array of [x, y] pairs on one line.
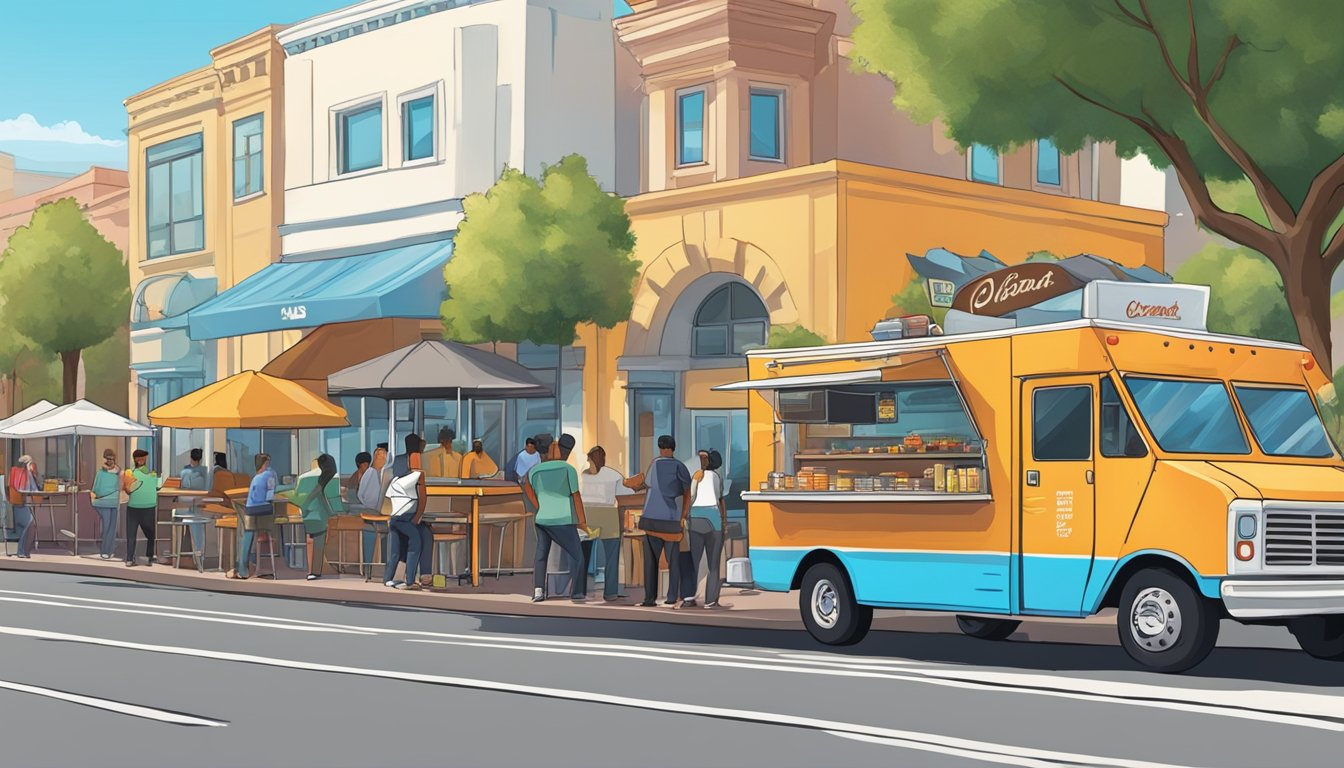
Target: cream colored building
{"points": [[206, 179]]}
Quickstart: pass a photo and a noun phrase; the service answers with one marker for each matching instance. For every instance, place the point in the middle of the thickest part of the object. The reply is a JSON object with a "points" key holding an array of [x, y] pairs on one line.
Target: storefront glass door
{"points": [[487, 425], [650, 416], [725, 432]]}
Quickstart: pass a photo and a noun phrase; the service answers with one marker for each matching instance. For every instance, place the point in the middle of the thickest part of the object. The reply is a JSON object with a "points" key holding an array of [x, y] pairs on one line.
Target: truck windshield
{"points": [[1284, 421], [1188, 416]]}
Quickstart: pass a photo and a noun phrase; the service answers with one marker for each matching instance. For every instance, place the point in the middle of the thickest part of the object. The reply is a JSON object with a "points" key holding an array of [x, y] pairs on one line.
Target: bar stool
{"points": [[338, 527], [239, 510], [378, 525], [501, 524], [179, 525], [445, 542]]}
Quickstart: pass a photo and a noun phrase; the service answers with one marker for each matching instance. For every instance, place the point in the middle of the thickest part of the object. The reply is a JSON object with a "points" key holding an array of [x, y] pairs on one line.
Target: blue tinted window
{"points": [[417, 121], [361, 139], [174, 197], [691, 128], [1061, 424], [984, 164], [766, 113], [1284, 422], [1188, 416], [1047, 162], [247, 156]]}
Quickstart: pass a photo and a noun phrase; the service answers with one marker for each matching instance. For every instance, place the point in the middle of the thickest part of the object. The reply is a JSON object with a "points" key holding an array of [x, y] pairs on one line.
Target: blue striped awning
{"points": [[398, 282]]}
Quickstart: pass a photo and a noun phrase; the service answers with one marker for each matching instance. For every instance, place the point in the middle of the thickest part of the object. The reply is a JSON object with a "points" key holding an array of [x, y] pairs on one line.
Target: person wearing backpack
{"points": [[667, 505]]}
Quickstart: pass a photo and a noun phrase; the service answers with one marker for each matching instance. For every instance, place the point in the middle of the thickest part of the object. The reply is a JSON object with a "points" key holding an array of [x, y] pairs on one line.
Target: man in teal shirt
{"points": [[552, 487], [143, 486]]}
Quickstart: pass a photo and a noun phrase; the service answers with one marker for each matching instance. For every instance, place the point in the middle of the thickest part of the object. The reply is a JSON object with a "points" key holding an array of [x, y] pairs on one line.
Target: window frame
{"points": [[167, 161], [1129, 416], [728, 326], [1091, 422], [1036, 154], [679, 148], [1235, 405], [341, 116], [970, 165], [780, 94], [404, 101], [1237, 386], [248, 194]]}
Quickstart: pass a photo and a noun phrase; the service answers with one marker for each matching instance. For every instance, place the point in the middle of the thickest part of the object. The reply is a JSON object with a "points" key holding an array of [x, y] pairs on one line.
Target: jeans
{"points": [[653, 547], [318, 559], [567, 538], [404, 539], [23, 520], [705, 547], [143, 519], [611, 551], [245, 552], [107, 516]]}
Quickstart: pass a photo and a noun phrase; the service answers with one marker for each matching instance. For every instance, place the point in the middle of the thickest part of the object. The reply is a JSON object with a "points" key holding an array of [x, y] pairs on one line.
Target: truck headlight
{"points": [[1246, 525]]}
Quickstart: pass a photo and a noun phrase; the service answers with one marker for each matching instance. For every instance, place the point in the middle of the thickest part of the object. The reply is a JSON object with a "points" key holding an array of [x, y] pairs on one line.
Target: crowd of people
{"points": [[683, 517]]}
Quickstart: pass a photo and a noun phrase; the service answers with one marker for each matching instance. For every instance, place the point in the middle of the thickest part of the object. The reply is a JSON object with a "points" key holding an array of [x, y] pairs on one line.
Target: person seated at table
{"points": [[318, 499], [23, 478], [524, 461], [404, 540], [106, 495], [194, 475], [351, 484], [142, 485], [445, 460], [476, 464], [260, 508], [369, 496]]}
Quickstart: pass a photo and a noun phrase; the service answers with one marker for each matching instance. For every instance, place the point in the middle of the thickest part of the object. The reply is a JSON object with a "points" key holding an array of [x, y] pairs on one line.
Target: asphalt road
{"points": [[105, 673]]}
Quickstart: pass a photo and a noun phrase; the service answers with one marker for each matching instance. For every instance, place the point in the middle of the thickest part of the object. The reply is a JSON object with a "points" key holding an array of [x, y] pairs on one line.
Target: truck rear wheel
{"points": [[1320, 636], [1165, 624], [829, 610], [987, 629]]}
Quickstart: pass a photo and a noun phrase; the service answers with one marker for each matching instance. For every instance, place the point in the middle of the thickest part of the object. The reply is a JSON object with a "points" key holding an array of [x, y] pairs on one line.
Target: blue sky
{"points": [[76, 61]]}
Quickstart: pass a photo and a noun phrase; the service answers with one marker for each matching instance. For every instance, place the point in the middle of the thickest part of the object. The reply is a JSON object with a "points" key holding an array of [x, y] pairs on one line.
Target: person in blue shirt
{"points": [[258, 512], [194, 476]]}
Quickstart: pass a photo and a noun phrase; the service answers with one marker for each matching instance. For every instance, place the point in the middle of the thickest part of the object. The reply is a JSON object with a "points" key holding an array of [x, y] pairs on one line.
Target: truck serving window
{"points": [[1284, 421], [1188, 416]]}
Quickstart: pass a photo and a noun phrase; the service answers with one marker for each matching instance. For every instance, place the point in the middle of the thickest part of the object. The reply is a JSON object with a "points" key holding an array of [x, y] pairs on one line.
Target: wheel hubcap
{"points": [[1155, 620], [825, 604]]}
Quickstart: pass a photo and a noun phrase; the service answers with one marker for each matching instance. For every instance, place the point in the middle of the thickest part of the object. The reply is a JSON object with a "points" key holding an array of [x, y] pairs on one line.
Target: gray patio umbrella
{"points": [[437, 370]]}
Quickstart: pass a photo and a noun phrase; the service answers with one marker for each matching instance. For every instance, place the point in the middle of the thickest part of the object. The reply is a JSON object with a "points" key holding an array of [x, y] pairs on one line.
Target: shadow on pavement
{"points": [[1241, 665]]}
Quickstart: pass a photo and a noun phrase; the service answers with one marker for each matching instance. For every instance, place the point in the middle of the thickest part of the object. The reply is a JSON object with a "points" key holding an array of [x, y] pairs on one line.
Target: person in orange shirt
{"points": [[443, 461], [477, 464]]}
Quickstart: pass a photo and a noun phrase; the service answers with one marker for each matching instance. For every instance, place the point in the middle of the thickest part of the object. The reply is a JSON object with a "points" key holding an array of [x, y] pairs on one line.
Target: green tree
{"points": [[1334, 412], [792, 336], [913, 299], [66, 287], [1246, 293], [535, 258], [1220, 90]]}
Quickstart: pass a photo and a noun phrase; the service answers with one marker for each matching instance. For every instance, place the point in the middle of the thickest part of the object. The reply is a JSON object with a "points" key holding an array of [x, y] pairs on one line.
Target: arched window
{"points": [[730, 321]]}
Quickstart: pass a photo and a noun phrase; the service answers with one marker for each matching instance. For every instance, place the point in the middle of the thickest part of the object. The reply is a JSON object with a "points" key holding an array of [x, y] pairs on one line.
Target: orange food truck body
{"points": [[1054, 470]]}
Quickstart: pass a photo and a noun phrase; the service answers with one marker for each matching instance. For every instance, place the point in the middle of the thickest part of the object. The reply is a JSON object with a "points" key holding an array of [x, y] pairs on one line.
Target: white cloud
{"points": [[26, 128]]}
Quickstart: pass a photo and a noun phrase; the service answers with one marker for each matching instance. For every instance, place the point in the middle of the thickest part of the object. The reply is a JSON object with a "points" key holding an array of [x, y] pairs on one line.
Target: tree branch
{"points": [[1233, 43], [1334, 252], [1280, 212], [1323, 202]]}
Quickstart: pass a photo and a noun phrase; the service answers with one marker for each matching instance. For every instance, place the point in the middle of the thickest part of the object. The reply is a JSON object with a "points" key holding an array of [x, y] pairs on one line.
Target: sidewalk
{"points": [[511, 595]]}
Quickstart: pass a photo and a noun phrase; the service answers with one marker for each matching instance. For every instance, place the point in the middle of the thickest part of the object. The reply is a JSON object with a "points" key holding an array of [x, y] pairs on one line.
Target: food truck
{"points": [[1126, 458]]}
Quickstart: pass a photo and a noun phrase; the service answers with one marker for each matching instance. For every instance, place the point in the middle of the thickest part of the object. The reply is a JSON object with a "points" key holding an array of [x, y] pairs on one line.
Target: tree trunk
{"points": [[69, 376], [1306, 285]]}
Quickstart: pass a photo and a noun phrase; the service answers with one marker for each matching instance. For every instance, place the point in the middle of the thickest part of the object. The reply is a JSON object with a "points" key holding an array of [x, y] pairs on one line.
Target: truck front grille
{"points": [[1304, 538]]}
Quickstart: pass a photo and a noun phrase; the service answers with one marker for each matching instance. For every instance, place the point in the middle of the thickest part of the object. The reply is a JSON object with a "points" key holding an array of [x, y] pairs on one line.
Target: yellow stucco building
{"points": [[206, 165]]}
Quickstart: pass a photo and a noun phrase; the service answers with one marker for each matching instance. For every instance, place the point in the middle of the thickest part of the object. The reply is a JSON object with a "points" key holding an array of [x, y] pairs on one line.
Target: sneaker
{"points": [[410, 586], [688, 603], [714, 604], [647, 604], [313, 577], [538, 596], [669, 602], [129, 563], [394, 584]]}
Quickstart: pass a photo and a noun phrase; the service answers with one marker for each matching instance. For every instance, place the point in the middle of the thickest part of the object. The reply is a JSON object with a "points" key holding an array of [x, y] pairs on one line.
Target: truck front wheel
{"points": [[1165, 624], [829, 610], [1320, 636]]}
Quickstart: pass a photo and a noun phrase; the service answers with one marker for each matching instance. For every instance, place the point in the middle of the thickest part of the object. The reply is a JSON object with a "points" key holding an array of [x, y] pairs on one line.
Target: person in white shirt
{"points": [[599, 485], [709, 516]]}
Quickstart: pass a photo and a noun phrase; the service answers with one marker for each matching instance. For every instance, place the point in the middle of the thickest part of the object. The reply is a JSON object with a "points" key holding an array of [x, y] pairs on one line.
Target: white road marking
{"points": [[1282, 707], [894, 737], [166, 613], [134, 710], [1219, 703]]}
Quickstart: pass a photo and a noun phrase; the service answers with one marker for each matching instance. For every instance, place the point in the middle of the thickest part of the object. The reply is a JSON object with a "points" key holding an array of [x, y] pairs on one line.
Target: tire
{"points": [[1165, 624], [828, 608], [1320, 636], [987, 629]]}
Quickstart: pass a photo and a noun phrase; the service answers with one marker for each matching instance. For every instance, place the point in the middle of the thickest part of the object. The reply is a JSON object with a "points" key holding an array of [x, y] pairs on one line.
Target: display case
{"points": [[893, 441]]}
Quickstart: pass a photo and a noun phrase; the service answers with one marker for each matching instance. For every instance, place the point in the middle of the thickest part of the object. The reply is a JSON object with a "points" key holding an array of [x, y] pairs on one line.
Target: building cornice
{"points": [[368, 16]]}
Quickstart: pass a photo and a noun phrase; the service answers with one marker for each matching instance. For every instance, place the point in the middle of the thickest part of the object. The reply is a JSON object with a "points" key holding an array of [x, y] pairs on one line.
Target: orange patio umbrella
{"points": [[250, 400]]}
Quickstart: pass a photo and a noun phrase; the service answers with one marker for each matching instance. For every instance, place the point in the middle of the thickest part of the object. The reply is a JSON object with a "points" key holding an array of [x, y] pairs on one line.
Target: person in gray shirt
{"points": [[666, 507]]}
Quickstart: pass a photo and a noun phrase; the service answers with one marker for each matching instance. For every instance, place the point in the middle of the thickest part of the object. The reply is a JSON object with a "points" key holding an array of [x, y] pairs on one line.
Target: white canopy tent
{"points": [[79, 419], [32, 411]]}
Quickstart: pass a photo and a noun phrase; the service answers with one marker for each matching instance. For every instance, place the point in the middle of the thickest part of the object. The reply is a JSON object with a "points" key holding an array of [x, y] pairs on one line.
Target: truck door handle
{"points": [[1033, 477], [1091, 477]]}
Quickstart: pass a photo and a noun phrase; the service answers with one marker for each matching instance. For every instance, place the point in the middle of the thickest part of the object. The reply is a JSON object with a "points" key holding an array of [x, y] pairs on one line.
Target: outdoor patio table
{"points": [[474, 490], [50, 500]]}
